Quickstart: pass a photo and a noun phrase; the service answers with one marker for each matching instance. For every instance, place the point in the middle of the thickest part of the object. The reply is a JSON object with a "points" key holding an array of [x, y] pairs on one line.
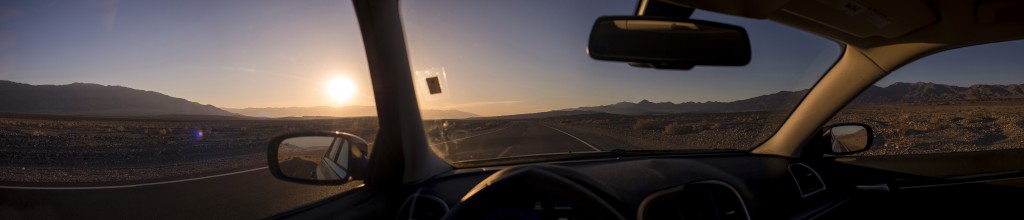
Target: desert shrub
{"points": [[645, 124], [676, 128], [902, 125], [705, 125], [935, 123]]}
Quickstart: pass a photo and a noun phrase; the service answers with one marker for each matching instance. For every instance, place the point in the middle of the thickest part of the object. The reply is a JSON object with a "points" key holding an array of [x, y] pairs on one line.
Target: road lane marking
{"points": [[574, 137], [478, 135], [502, 154], [521, 135], [552, 128], [126, 186]]}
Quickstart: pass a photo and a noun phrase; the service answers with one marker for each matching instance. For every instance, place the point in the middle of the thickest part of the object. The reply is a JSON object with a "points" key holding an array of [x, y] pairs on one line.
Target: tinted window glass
{"points": [[114, 93], [502, 79], [343, 155], [967, 99]]}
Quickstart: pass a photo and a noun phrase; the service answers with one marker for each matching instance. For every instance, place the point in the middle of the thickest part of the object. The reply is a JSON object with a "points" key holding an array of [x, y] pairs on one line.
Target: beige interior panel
{"points": [[842, 83], [992, 11]]}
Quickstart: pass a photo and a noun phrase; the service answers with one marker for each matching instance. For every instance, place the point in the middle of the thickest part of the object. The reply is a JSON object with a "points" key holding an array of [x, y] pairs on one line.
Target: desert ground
{"points": [[940, 127], [53, 149], [904, 129]]}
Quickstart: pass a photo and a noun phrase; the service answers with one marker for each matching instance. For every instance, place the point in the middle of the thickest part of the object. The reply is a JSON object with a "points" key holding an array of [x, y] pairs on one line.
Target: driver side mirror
{"points": [[318, 158], [848, 138]]}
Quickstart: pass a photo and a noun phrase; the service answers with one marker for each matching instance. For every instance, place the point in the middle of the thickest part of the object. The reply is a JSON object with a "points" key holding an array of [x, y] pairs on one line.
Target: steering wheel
{"points": [[589, 198]]}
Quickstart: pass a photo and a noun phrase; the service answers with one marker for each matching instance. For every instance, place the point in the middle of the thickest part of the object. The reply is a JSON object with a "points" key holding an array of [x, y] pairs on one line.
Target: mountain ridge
{"points": [[896, 93], [346, 111], [89, 99], [106, 100], [94, 99]]}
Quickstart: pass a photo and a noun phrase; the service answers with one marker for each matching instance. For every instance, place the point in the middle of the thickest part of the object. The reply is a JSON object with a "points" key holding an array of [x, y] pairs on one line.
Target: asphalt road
{"points": [[516, 139], [249, 195]]}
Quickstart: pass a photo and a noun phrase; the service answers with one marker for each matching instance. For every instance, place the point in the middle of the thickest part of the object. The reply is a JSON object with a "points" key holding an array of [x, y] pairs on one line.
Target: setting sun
{"points": [[341, 89]]}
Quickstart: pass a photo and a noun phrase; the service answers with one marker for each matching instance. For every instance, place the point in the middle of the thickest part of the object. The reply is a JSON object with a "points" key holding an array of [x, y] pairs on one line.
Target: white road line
{"points": [[502, 154], [573, 136], [478, 135], [127, 186]]}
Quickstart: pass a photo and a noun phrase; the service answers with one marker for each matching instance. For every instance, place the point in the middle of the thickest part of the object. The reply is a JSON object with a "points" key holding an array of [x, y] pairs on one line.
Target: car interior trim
{"points": [[650, 198], [797, 181]]}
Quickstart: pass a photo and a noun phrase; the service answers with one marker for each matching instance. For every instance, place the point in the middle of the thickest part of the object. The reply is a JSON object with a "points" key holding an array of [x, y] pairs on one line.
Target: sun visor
{"points": [[759, 9], [995, 11], [865, 18]]}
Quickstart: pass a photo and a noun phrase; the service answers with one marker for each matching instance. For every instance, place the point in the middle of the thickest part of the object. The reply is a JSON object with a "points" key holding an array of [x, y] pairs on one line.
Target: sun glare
{"points": [[341, 89]]}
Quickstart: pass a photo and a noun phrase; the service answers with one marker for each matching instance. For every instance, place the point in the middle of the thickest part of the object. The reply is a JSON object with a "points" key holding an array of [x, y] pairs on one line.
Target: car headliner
{"points": [[879, 36]]}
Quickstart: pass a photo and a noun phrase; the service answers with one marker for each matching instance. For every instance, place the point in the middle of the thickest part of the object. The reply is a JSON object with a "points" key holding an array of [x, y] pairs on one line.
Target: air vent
{"points": [[709, 199], [423, 207], [807, 180]]}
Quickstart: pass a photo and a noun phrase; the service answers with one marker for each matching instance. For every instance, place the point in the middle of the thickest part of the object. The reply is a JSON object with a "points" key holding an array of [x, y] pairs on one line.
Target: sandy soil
{"points": [[90, 150]]}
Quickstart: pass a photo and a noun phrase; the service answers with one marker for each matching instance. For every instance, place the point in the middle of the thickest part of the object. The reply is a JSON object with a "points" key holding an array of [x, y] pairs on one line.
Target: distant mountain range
{"points": [[98, 100], [347, 111], [897, 93], [760, 103], [93, 99], [930, 92]]}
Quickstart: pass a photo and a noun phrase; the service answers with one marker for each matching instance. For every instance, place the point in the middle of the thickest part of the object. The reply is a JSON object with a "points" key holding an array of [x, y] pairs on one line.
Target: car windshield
{"points": [[123, 106], [513, 78]]}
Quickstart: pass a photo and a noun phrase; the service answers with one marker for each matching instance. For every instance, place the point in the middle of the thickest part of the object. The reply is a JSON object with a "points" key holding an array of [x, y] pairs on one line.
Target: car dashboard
{"points": [[719, 186]]}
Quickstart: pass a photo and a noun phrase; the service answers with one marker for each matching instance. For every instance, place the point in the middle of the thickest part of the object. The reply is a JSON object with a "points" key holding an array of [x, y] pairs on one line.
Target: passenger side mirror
{"points": [[668, 43], [318, 158], [848, 138]]}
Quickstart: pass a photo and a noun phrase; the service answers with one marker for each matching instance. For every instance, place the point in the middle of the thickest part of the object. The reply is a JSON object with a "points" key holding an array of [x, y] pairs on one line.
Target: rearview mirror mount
{"points": [[668, 43], [318, 158]]}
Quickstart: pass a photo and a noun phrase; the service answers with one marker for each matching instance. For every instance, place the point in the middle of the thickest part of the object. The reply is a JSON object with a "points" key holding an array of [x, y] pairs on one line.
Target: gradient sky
{"points": [[497, 57]]}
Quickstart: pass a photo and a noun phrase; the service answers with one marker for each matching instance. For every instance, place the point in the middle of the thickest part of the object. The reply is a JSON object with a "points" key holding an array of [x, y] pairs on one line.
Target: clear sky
{"points": [[497, 57], [242, 53]]}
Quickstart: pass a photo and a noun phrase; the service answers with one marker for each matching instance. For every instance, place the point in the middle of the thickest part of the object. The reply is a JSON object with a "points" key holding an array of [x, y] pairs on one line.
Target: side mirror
{"points": [[668, 43], [848, 138], [318, 158]]}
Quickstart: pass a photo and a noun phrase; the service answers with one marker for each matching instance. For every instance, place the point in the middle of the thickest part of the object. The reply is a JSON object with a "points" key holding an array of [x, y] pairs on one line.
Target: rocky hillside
{"points": [[93, 99], [893, 94], [931, 92], [775, 101]]}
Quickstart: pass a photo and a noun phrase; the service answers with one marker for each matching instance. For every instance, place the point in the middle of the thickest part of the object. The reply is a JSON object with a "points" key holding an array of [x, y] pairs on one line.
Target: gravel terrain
{"points": [[899, 129], [940, 128], [77, 150], [676, 131], [93, 150]]}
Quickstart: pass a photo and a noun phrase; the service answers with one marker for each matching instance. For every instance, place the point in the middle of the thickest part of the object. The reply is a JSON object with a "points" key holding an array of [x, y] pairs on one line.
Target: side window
{"points": [[962, 100], [342, 159], [334, 149], [104, 93]]}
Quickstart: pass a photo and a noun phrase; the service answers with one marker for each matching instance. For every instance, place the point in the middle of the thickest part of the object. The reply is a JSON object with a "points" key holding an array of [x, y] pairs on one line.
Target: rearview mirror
{"points": [[849, 138], [668, 43], [318, 158]]}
